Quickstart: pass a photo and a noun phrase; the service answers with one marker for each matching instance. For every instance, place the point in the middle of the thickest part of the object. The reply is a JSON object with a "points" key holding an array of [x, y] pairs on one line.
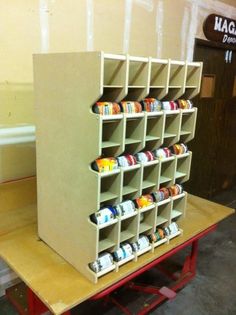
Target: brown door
{"points": [[214, 146]]}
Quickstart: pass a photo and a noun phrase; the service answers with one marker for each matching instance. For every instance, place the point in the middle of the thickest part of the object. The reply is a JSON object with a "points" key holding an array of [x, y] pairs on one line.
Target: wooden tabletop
{"points": [[55, 281]]}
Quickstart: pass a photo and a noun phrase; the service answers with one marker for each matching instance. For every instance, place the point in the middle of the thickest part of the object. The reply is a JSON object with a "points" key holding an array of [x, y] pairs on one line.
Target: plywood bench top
{"points": [[55, 281]]}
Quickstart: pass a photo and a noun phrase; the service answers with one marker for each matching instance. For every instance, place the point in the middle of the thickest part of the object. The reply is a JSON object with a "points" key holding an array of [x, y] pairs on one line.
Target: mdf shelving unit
{"points": [[70, 136]]}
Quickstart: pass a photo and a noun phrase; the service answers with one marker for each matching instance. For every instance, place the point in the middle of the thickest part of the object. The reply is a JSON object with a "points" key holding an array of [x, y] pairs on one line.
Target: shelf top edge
{"points": [[138, 59], [160, 61], [114, 56]]}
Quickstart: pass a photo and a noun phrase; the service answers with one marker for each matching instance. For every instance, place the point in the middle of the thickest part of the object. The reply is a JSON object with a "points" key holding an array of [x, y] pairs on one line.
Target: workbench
{"points": [[55, 282]]}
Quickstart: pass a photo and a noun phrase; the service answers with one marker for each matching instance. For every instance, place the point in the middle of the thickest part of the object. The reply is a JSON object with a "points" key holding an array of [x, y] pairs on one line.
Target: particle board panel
{"points": [[60, 286]]}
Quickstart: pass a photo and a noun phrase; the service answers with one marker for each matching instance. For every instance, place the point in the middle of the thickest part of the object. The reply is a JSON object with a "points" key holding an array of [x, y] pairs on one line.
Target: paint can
{"points": [[169, 105], [126, 160], [131, 107], [144, 157], [105, 164], [144, 201], [179, 148], [104, 215], [104, 261], [171, 229], [141, 243], [157, 236], [123, 252], [162, 153], [151, 105], [106, 108], [125, 207]]}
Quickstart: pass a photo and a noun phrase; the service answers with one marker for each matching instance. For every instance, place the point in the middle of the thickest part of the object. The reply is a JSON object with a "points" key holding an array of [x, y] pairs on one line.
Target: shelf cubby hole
{"points": [[193, 79], [134, 136], [172, 129], [177, 74], [188, 125], [176, 80], [159, 78], [183, 168], [147, 225], [150, 181], [115, 72], [163, 215], [138, 78], [178, 208], [110, 189], [167, 173], [131, 183], [108, 238], [129, 229], [154, 132], [114, 80], [112, 137]]}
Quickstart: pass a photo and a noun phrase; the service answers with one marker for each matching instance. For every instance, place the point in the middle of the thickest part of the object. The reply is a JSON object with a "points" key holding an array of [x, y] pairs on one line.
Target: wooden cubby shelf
{"points": [[138, 78], [150, 179], [129, 229], [160, 70], [177, 78], [112, 142], [135, 133], [164, 214], [188, 125], [70, 136], [167, 172], [131, 183], [154, 130], [193, 79], [172, 127], [146, 225], [183, 166], [110, 189], [178, 207]]}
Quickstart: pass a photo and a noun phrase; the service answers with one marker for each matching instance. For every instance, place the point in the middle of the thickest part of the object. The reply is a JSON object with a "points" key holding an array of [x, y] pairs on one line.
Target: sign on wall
{"points": [[220, 29]]}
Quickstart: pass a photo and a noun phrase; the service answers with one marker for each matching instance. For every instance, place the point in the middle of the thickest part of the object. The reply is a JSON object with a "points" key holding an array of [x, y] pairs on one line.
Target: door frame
{"points": [[203, 42]]}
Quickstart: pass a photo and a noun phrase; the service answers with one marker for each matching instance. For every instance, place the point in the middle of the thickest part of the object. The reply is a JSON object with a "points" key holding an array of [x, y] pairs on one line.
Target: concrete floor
{"points": [[212, 292]]}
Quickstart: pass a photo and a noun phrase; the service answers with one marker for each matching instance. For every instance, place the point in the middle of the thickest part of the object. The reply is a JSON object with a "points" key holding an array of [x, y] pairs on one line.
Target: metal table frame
{"points": [[188, 272]]}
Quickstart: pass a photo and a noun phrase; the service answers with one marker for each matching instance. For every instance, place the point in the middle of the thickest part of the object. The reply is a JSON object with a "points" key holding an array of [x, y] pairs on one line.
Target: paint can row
{"points": [[107, 259], [109, 164], [148, 105], [128, 207]]}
